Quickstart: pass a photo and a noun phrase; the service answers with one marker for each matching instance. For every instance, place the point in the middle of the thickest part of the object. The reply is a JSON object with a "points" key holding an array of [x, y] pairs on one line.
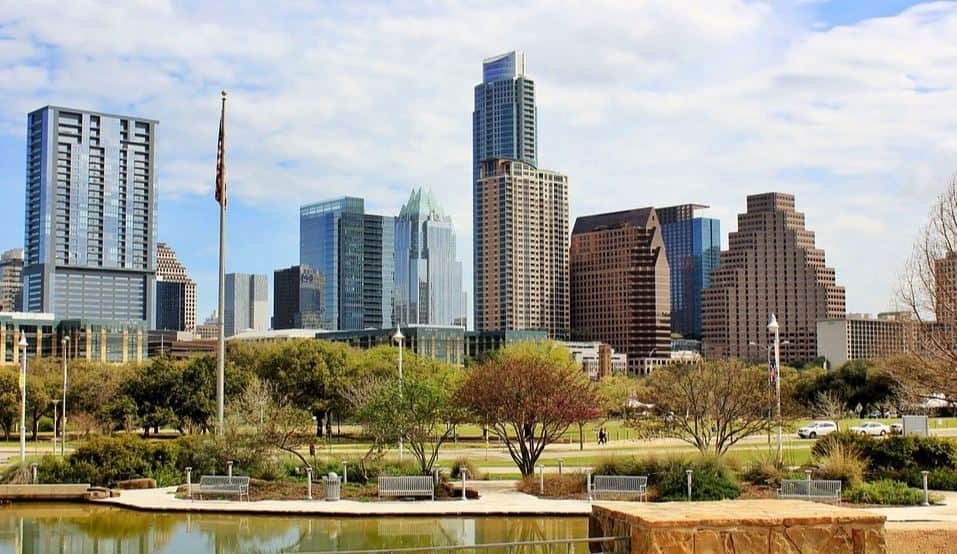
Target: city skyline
{"points": [[883, 172]]}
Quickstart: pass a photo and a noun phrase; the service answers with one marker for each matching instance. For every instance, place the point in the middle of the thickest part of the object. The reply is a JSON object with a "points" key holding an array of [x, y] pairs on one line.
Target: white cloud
{"points": [[641, 103]]}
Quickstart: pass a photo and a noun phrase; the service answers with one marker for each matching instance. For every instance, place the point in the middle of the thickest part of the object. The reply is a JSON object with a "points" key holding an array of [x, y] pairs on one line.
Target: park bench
{"points": [[620, 485], [407, 485], [810, 489], [223, 485]]}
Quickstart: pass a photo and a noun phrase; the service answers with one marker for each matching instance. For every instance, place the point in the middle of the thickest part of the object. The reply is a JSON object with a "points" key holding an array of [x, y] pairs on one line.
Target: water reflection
{"points": [[84, 528]]}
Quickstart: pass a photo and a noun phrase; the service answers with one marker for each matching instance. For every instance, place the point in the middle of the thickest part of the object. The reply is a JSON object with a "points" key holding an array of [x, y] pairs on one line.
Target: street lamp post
{"points": [[66, 343], [774, 328], [23, 397], [399, 338]]}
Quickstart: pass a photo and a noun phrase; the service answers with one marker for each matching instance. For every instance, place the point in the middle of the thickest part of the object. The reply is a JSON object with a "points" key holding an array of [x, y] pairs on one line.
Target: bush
{"points": [[105, 460], [711, 480], [473, 471], [842, 462], [885, 492], [861, 443], [765, 470], [942, 479], [556, 486], [898, 453]]}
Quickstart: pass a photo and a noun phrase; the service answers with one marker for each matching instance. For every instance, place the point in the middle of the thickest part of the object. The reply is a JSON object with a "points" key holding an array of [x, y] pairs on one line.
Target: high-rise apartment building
{"points": [[521, 248], [620, 286], [90, 215], [247, 303], [11, 280], [945, 288], [693, 245], [504, 122], [352, 257], [771, 266], [428, 278], [865, 337], [175, 293]]}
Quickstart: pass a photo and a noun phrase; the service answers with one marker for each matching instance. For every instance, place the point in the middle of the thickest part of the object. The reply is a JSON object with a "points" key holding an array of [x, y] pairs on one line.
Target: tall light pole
{"points": [[23, 398], [399, 339], [66, 343], [775, 329]]}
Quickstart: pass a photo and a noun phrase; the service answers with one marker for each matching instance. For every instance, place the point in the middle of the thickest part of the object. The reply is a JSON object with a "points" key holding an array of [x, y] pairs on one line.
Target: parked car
{"points": [[897, 428], [871, 428], [817, 429]]}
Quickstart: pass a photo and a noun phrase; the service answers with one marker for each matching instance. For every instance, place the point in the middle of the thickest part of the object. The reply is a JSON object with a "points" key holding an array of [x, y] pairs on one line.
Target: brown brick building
{"points": [[771, 266], [521, 248], [620, 285]]}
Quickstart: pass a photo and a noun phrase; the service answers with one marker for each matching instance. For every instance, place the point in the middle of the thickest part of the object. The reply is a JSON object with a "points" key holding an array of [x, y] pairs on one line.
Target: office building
{"points": [[209, 329], [11, 280], [175, 293], [945, 288], [444, 343], [247, 303], [428, 277], [505, 120], [598, 359], [771, 266], [90, 215], [693, 245], [620, 283], [100, 341], [865, 337], [351, 255], [297, 298], [521, 248]]}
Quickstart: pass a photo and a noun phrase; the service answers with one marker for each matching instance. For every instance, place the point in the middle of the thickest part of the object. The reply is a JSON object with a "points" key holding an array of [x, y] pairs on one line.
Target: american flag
{"points": [[221, 157]]}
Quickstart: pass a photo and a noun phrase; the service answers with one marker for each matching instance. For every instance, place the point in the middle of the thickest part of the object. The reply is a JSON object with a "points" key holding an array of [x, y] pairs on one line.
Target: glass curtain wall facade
{"points": [[693, 246], [348, 266], [505, 120], [428, 277], [90, 220]]}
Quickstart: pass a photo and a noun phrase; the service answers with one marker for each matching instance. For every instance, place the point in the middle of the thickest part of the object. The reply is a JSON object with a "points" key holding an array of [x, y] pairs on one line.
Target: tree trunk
{"points": [[320, 419], [581, 436]]}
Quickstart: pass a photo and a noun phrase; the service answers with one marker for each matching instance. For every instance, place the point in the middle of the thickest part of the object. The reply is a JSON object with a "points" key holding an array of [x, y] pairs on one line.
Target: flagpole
{"points": [[221, 346]]}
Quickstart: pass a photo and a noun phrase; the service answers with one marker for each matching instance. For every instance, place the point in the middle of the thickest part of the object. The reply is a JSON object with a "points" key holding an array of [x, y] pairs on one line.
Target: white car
{"points": [[817, 429], [897, 428], [872, 428]]}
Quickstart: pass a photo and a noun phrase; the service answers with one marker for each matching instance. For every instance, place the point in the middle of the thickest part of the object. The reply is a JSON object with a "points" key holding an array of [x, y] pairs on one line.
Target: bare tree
{"points": [[928, 292], [830, 405]]}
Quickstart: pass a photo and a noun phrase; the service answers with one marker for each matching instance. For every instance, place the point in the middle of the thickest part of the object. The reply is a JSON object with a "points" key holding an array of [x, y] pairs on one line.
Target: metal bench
{"points": [[407, 485], [619, 485], [810, 489], [223, 485]]}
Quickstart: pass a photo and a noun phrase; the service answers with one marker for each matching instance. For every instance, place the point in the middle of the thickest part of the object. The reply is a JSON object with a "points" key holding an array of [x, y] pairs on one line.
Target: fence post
{"points": [[924, 474], [309, 482], [688, 472], [229, 469], [541, 480], [345, 473], [462, 471], [189, 482], [808, 473]]}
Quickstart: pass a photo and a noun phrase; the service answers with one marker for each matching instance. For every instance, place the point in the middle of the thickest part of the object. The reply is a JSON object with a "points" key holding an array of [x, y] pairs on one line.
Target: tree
{"points": [[420, 412], [276, 423], [830, 405], [530, 393], [710, 405], [9, 401], [855, 382], [928, 293]]}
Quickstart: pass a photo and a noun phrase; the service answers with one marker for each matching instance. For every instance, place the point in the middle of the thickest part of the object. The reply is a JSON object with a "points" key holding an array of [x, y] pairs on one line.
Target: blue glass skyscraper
{"points": [[351, 257], [505, 120], [90, 221], [428, 277], [693, 247]]}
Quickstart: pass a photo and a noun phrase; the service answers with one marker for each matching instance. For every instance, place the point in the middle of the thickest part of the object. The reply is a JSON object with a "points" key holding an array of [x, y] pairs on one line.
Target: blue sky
{"points": [[851, 105]]}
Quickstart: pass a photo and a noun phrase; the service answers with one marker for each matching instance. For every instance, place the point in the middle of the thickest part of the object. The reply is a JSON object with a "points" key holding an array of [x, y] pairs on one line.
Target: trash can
{"points": [[333, 486]]}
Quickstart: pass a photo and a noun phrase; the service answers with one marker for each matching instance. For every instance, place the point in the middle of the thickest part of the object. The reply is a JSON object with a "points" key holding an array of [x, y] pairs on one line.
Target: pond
{"points": [[84, 528]]}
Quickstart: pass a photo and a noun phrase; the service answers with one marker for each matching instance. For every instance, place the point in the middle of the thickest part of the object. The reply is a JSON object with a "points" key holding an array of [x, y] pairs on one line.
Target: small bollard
{"points": [[588, 483], [345, 472], [189, 482], [541, 480], [462, 471], [807, 472], [560, 462], [33, 472], [924, 475], [688, 472], [309, 482], [229, 469]]}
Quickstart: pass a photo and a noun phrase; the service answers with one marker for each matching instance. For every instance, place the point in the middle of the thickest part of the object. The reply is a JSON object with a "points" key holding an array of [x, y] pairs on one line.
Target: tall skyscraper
{"points": [[296, 291], [247, 303], [693, 245], [771, 266], [175, 293], [521, 249], [352, 257], [505, 120], [620, 286], [427, 275], [90, 215], [11, 280]]}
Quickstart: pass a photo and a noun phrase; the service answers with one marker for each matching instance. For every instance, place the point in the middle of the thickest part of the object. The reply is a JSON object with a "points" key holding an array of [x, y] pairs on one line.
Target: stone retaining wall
{"points": [[740, 527]]}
